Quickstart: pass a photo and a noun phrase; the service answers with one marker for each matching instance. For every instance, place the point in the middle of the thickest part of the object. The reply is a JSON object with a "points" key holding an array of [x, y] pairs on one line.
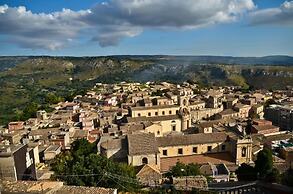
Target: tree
{"points": [[82, 147], [181, 169], [46, 107], [263, 169], [86, 168], [274, 176], [254, 115], [192, 169], [269, 102], [246, 173], [264, 162], [52, 98], [287, 178], [29, 111], [248, 128]]}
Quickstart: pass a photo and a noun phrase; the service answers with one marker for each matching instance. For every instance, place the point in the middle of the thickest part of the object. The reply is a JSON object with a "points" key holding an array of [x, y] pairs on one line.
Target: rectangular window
{"points": [[223, 147], [139, 114], [165, 152], [156, 113], [150, 114], [209, 148], [180, 151], [163, 113], [194, 149], [174, 128], [243, 152], [170, 112]]}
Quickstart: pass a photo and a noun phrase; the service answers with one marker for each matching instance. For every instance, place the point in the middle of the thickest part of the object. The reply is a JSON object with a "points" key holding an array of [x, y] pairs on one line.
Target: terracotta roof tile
{"points": [[154, 107], [192, 139], [215, 158], [142, 143], [84, 190], [153, 119]]}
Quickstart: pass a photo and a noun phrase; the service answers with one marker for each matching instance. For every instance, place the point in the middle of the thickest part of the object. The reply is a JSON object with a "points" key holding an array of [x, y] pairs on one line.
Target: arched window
{"points": [[173, 125], [144, 160], [243, 152], [184, 102]]}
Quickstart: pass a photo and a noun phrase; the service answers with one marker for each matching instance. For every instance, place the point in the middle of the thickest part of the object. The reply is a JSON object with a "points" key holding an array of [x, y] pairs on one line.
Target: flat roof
{"points": [[52, 148]]}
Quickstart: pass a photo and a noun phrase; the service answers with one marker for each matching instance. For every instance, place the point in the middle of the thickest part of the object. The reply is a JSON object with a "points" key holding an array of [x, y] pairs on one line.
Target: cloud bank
{"points": [[48, 31], [109, 22], [282, 15]]}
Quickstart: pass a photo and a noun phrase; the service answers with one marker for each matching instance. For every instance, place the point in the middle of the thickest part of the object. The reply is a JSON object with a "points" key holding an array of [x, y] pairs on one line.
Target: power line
{"points": [[118, 183], [113, 175], [123, 180], [100, 179]]}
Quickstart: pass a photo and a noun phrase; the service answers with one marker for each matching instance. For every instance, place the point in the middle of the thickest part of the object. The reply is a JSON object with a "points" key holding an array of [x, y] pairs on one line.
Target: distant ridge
{"points": [[265, 60], [29, 78], [10, 61]]}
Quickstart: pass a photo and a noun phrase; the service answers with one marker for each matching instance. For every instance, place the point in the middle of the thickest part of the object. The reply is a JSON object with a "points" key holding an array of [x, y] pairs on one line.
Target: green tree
{"points": [[248, 127], [264, 162], [46, 107], [273, 176], [192, 169], [246, 173], [287, 178], [52, 98], [83, 166], [181, 169], [18, 115], [82, 147], [270, 102], [29, 111]]}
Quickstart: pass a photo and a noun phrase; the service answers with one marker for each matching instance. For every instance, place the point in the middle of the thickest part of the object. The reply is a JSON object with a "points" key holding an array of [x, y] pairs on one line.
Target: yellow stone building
{"points": [[145, 148]]}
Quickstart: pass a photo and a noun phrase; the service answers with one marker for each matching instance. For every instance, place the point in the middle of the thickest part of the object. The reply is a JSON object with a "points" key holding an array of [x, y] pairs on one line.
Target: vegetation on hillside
{"points": [[44, 81], [47, 80]]}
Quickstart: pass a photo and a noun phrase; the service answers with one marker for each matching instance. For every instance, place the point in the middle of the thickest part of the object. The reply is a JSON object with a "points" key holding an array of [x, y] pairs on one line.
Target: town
{"points": [[155, 127]]}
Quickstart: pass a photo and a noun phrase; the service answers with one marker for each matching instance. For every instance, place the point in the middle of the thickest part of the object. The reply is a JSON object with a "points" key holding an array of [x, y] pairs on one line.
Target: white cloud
{"points": [[113, 20], [31, 30], [3, 8], [274, 16], [169, 13]]}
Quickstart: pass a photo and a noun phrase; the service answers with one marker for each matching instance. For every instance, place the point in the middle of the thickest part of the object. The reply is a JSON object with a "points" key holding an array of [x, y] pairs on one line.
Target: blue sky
{"points": [[118, 27]]}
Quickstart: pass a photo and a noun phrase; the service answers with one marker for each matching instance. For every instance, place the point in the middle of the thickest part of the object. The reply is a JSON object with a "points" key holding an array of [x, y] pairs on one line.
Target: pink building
{"points": [[15, 126]]}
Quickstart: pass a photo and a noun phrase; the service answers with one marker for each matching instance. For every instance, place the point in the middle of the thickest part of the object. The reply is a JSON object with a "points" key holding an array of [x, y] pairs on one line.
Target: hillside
{"points": [[266, 60], [30, 79]]}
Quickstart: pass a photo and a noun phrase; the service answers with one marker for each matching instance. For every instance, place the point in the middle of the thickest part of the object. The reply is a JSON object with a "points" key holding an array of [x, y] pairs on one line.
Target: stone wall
{"points": [[190, 182]]}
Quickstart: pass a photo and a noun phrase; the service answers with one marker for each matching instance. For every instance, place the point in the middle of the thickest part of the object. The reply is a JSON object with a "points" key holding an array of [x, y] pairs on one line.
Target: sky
{"points": [[146, 27]]}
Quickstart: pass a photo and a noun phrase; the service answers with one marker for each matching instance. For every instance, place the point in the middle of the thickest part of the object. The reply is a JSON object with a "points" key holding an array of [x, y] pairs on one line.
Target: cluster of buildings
{"points": [[152, 126]]}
